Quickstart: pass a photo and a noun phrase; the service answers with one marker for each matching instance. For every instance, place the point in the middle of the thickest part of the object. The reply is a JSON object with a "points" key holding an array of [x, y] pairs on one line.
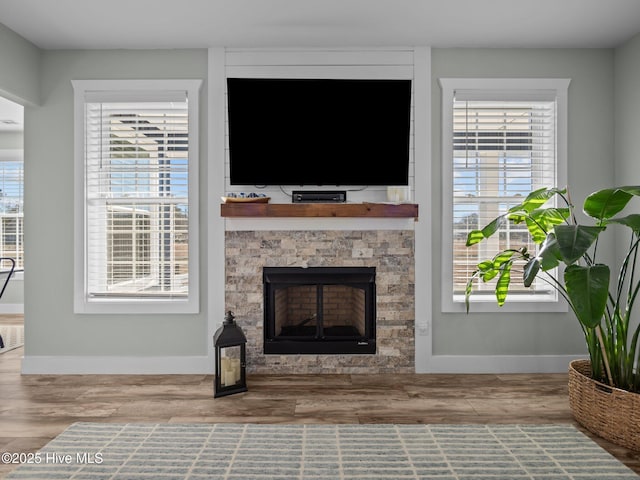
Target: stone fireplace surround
{"points": [[390, 251]]}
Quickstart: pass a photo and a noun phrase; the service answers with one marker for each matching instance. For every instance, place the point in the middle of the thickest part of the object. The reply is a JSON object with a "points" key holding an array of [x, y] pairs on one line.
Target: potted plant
{"points": [[566, 258]]}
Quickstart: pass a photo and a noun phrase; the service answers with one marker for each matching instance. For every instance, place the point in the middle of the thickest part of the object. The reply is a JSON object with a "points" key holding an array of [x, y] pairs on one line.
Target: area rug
{"points": [[322, 452], [12, 337]]}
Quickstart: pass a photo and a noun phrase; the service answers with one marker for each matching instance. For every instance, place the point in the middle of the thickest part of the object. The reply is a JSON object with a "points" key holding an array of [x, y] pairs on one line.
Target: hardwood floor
{"points": [[16, 319], [36, 408]]}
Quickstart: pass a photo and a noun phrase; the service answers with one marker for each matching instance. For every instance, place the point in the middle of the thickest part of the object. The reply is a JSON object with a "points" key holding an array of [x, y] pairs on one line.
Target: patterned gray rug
{"points": [[322, 452], [12, 336]]}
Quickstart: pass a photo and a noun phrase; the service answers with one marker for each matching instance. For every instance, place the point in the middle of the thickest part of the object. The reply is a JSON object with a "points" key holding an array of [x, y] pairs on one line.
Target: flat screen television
{"points": [[318, 131]]}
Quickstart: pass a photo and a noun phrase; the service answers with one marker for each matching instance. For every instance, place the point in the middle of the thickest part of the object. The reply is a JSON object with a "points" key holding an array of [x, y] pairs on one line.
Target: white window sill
{"points": [[512, 305], [140, 306]]}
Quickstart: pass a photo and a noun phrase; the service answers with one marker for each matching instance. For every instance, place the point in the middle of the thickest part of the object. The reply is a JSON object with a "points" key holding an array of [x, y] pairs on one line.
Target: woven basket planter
{"points": [[610, 413]]}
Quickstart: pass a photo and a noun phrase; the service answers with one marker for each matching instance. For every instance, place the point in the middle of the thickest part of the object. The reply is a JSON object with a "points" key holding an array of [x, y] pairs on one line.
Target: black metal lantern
{"points": [[230, 345]]}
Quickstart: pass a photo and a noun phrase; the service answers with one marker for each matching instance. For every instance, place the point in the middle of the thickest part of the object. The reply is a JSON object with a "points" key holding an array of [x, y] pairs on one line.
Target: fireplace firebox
{"points": [[319, 310]]}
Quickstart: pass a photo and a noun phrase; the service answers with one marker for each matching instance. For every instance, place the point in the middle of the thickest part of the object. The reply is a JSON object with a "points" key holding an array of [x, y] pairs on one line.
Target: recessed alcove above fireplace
{"points": [[319, 310]]}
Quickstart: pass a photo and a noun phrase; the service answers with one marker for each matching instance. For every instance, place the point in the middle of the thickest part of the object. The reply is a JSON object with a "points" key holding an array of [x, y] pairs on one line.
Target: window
{"points": [[11, 206], [502, 138], [136, 211]]}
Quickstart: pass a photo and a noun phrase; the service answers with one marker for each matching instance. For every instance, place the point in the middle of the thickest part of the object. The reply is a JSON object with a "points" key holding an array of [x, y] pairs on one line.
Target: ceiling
{"points": [[135, 24], [94, 24], [11, 116]]}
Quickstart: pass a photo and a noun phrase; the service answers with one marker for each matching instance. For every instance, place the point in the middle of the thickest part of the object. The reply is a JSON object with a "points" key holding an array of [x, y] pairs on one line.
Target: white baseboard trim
{"points": [[202, 365], [497, 364], [71, 365], [11, 308]]}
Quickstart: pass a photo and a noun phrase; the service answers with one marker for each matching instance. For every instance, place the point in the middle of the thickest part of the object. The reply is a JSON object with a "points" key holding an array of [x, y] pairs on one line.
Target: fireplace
{"points": [[390, 252], [319, 310]]}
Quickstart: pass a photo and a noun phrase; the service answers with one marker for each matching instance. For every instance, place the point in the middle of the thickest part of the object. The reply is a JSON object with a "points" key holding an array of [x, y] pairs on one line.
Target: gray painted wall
{"points": [[20, 60], [51, 326], [590, 152], [11, 140], [627, 110], [627, 129], [54, 329]]}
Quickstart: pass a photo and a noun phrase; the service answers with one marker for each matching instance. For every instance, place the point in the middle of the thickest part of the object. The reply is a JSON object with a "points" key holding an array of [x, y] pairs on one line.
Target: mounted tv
{"points": [[318, 131]]}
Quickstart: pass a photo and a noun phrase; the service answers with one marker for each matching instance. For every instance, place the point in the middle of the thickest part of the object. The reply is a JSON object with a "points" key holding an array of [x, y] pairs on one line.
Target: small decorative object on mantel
{"points": [[400, 194], [230, 370], [242, 197]]}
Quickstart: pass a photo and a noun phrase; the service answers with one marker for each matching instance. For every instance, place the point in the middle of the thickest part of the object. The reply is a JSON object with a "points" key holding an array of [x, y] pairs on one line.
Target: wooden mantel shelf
{"points": [[385, 210]]}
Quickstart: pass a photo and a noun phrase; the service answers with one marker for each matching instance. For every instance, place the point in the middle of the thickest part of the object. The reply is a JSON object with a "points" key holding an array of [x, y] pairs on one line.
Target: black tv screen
{"points": [[318, 131]]}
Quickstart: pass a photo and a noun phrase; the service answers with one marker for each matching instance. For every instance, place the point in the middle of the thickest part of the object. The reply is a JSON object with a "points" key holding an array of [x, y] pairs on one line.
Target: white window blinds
{"points": [[11, 206], [502, 150], [137, 194]]}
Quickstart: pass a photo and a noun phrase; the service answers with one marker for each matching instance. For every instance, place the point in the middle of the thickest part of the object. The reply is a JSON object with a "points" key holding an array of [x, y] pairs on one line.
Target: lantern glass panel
{"points": [[230, 366]]}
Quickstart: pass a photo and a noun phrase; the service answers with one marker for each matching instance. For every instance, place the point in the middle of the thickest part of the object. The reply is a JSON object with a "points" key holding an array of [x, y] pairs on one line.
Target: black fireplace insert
{"points": [[319, 310]]}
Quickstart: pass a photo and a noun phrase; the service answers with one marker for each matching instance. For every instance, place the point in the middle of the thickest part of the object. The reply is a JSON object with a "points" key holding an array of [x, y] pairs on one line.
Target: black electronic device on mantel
{"points": [[319, 196], [316, 132]]}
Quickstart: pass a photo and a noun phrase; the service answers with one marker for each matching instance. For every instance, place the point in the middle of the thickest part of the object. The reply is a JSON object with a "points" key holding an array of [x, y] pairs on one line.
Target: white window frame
{"points": [[83, 303], [504, 88]]}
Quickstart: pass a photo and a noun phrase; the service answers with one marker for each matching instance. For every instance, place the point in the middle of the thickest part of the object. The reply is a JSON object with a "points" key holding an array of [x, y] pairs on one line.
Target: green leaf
{"points": [[541, 220], [517, 208], [475, 236], [490, 274], [539, 197], [485, 266], [588, 289], [468, 290], [485, 270], [502, 286], [632, 190], [517, 216], [549, 255], [632, 221], [604, 204], [503, 257], [575, 240], [549, 217], [531, 269], [536, 231], [492, 227]]}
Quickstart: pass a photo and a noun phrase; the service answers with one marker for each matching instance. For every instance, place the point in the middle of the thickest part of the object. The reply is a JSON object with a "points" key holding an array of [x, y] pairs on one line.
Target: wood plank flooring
{"points": [[36, 408], [17, 319]]}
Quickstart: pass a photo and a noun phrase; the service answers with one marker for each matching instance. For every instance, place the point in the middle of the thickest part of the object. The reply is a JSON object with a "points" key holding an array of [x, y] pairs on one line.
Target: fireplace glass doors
{"points": [[319, 310]]}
